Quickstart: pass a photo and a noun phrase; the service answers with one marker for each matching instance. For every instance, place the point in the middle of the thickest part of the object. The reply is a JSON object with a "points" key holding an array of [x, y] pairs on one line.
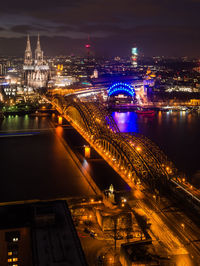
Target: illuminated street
{"points": [[174, 235]]}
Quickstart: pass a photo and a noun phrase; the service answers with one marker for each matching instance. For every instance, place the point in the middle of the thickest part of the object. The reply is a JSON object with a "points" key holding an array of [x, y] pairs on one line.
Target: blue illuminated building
{"points": [[121, 88]]}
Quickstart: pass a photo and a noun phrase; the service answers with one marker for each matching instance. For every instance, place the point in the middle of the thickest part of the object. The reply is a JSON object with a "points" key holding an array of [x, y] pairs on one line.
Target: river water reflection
{"points": [[37, 165], [176, 133], [34, 163]]}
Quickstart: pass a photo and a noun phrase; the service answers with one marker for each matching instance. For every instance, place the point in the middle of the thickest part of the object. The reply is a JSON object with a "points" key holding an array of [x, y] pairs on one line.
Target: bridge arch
{"points": [[121, 88], [133, 154], [77, 116]]}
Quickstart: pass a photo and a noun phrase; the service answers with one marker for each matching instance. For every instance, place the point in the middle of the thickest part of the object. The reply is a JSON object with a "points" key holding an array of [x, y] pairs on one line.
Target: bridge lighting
{"points": [[60, 120], [87, 152], [183, 226]]}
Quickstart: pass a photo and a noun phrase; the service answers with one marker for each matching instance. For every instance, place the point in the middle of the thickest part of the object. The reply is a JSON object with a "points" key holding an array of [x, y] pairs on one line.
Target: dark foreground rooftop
{"points": [[43, 230]]}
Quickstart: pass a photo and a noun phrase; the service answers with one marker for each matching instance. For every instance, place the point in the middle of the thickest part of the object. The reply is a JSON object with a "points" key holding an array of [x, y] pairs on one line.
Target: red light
{"points": [[87, 46]]}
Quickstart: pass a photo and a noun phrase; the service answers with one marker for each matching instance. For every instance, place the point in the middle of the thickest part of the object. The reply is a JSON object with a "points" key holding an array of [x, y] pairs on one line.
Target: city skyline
{"points": [[99, 132], [156, 28]]}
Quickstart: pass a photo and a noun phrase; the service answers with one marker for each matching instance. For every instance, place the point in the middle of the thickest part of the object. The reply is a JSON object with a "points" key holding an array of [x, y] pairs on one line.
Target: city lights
{"points": [[121, 87], [99, 143]]}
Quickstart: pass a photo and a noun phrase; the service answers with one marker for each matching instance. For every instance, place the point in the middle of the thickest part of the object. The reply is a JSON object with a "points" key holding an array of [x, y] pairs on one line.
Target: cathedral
{"points": [[36, 71]]}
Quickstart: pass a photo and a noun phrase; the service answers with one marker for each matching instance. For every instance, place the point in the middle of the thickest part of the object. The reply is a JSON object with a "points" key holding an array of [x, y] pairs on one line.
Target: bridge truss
{"points": [[136, 157]]}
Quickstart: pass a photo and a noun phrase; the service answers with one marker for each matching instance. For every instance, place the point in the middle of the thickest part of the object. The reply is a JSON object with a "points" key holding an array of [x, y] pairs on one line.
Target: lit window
{"points": [[15, 239], [10, 253], [9, 260], [15, 259]]}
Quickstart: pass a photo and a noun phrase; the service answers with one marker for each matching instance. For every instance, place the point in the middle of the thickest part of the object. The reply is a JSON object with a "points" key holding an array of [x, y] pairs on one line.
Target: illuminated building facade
{"points": [[134, 56], [36, 71]]}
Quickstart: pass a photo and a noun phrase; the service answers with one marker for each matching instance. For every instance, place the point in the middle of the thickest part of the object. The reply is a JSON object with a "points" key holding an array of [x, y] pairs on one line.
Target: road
{"points": [[174, 235]]}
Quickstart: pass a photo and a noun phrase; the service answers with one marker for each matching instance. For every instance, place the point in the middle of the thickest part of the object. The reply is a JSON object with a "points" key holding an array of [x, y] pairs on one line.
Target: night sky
{"points": [[157, 27]]}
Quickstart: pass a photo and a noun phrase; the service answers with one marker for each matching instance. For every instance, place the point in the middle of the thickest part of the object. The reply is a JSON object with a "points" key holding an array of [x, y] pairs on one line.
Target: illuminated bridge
{"points": [[134, 155], [136, 158]]}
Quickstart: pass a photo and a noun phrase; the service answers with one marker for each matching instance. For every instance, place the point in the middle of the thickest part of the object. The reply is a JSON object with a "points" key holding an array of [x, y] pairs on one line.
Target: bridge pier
{"points": [[87, 152], [60, 120]]}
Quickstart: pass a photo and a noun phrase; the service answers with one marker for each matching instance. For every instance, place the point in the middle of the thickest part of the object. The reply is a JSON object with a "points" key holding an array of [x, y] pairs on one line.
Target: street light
{"points": [[138, 149], [183, 226]]}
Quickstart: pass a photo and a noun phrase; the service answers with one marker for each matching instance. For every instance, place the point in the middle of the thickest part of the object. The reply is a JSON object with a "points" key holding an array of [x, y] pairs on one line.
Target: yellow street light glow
{"points": [[183, 226], [138, 149], [87, 152], [60, 120]]}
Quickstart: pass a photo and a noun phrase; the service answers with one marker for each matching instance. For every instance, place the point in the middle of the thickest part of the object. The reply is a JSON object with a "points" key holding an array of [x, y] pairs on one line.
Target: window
{"points": [[13, 236], [15, 252], [10, 253]]}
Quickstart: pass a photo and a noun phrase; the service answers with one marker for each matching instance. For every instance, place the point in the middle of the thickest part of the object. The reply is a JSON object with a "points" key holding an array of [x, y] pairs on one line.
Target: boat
{"points": [[145, 111]]}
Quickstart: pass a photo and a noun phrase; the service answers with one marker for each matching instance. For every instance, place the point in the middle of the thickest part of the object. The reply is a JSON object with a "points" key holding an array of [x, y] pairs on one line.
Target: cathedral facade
{"points": [[36, 70]]}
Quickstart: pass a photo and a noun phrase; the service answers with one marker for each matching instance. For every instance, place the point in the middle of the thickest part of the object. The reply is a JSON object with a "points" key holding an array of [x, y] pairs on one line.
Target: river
{"points": [[176, 133], [35, 164]]}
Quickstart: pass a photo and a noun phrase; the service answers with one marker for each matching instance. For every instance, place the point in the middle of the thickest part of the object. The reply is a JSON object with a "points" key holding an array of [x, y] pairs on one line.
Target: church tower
{"points": [[36, 72], [38, 53], [28, 53]]}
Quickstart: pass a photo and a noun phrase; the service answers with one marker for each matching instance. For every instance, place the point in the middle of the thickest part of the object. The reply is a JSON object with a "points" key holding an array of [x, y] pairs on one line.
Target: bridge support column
{"points": [[87, 151], [60, 120]]}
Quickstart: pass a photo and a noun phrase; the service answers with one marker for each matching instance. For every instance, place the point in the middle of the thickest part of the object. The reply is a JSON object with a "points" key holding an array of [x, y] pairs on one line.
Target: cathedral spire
{"points": [[38, 53], [28, 52], [38, 43], [28, 44]]}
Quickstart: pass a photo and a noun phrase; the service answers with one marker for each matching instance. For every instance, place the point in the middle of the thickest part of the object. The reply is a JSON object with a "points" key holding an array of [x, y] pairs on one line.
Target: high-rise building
{"points": [[134, 56], [36, 71], [2, 69]]}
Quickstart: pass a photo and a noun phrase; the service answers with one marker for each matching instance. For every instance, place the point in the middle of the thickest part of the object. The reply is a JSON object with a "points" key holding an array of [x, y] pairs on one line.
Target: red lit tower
{"points": [[87, 47]]}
